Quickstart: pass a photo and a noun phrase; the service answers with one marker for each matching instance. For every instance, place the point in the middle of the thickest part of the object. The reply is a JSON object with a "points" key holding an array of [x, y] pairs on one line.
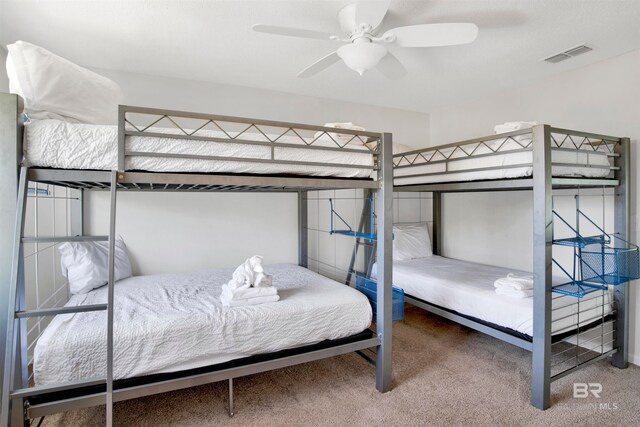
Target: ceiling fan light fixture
{"points": [[361, 57]]}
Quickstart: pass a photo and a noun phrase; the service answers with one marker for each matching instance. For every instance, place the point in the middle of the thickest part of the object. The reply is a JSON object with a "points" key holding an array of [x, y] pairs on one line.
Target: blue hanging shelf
{"points": [[598, 261], [580, 241], [371, 235], [575, 288]]}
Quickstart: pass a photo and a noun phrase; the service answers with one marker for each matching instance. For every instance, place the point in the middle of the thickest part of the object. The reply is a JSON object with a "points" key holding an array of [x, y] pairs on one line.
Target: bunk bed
{"points": [[163, 150], [553, 323]]}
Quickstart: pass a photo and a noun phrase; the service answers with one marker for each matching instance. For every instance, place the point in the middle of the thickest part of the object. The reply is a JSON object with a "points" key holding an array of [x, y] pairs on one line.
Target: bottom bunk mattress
{"points": [[174, 322], [467, 288]]}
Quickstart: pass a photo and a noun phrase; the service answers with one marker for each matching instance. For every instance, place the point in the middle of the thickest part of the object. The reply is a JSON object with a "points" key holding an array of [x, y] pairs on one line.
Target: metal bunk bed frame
{"points": [[542, 183], [16, 409]]}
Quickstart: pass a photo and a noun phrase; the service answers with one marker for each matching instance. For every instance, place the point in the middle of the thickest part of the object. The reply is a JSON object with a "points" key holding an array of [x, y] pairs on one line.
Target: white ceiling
{"points": [[213, 41]]}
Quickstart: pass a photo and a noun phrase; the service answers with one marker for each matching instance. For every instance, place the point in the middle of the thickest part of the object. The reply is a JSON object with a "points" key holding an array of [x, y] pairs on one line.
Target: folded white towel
{"points": [[513, 281], [513, 126], [248, 301], [515, 293], [232, 294]]}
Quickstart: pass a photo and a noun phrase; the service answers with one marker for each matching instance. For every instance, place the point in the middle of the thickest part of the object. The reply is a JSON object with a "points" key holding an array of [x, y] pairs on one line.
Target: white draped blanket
{"points": [[172, 322], [468, 288]]}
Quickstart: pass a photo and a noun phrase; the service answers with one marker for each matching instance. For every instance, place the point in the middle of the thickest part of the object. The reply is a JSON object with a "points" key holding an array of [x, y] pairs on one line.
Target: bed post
{"points": [[122, 116], [384, 211], [303, 235], [542, 267], [10, 159], [621, 226], [110, 294], [366, 226], [437, 222]]}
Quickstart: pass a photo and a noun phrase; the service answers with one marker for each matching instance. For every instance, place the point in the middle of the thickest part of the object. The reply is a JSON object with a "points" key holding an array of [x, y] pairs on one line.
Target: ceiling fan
{"points": [[367, 48]]}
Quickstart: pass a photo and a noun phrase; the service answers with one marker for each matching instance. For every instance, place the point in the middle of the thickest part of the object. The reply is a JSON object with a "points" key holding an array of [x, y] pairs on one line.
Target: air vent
{"points": [[557, 58], [574, 51], [578, 50]]}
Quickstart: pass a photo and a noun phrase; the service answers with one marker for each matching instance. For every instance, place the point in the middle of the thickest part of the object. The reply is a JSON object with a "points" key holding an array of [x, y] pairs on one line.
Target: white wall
{"points": [[495, 228], [168, 232], [172, 232], [408, 127]]}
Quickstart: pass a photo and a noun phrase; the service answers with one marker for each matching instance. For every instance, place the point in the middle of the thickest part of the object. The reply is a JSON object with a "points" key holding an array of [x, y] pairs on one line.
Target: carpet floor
{"points": [[444, 374]]}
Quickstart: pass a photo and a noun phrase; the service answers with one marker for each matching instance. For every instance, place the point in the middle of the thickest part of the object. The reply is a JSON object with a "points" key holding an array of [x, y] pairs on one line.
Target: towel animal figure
{"points": [[249, 285], [263, 280], [245, 274]]}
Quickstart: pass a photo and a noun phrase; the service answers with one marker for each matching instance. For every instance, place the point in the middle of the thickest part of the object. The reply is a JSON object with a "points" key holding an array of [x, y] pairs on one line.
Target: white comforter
{"points": [[467, 288], [172, 322], [63, 145]]}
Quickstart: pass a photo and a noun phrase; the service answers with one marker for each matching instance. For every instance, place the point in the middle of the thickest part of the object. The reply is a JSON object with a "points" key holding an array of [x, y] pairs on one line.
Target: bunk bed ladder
{"points": [[15, 388], [370, 245], [14, 345]]}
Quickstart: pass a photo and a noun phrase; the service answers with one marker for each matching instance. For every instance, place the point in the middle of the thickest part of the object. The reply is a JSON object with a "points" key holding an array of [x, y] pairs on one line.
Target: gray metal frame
{"points": [[16, 390], [621, 226], [10, 158], [542, 268], [544, 140]]}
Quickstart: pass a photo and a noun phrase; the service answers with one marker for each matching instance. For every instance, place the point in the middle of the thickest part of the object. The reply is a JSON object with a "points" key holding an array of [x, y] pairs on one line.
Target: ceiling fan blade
{"points": [[371, 12], [430, 35], [321, 64], [391, 67], [292, 32]]}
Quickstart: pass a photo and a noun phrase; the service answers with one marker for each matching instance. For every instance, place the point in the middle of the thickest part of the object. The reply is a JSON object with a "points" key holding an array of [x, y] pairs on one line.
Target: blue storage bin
{"points": [[609, 265], [370, 289]]}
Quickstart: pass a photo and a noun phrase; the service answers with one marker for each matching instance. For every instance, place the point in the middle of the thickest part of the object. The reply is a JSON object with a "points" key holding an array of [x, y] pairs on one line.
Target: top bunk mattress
{"points": [[488, 166], [467, 288], [173, 322], [63, 145]]}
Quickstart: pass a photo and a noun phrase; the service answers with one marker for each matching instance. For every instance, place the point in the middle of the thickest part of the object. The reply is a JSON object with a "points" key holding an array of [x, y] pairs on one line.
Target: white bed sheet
{"points": [[459, 168], [172, 322], [467, 288], [63, 145]]}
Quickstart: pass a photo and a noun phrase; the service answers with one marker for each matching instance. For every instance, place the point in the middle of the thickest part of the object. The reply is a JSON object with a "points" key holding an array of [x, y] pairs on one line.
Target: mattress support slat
{"points": [[33, 391]]}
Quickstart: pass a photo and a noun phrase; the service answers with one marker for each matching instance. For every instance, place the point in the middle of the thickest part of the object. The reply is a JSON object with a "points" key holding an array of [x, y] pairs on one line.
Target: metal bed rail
{"points": [[591, 318], [297, 157], [446, 160], [269, 140]]}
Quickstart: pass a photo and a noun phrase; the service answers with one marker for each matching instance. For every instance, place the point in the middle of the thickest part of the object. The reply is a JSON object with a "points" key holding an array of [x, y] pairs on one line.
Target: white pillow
{"points": [[342, 138], [55, 88], [513, 126], [86, 264], [410, 242]]}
